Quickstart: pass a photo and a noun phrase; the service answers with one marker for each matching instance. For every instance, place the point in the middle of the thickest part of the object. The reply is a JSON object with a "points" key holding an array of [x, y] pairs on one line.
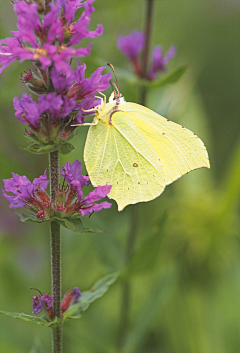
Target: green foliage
{"points": [[33, 319], [37, 148], [66, 148], [75, 223], [76, 310]]}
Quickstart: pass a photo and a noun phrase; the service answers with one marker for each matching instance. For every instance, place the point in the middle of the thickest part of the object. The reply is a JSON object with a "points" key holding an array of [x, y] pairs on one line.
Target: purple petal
{"points": [[97, 194], [132, 44], [95, 208], [41, 181], [76, 293]]}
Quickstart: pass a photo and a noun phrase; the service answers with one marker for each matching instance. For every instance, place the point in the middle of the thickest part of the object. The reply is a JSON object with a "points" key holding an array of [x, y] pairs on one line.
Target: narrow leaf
{"points": [[66, 148], [33, 319], [37, 148], [75, 224], [169, 79], [29, 219], [97, 291]]}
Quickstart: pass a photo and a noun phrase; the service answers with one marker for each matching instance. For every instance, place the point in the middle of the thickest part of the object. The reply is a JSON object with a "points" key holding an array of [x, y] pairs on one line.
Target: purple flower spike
{"points": [[50, 40], [159, 61], [132, 44], [22, 188]]}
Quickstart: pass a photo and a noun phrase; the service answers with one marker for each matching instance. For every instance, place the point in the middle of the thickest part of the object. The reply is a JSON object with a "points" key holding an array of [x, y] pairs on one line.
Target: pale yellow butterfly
{"points": [[138, 151]]}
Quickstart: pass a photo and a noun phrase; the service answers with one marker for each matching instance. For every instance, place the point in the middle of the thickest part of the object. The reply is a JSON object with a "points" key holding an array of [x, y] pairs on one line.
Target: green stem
{"points": [[126, 288], [55, 252]]}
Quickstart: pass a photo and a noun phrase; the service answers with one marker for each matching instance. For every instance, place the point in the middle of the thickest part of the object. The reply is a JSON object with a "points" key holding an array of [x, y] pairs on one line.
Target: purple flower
{"points": [[72, 173], [159, 61], [97, 194], [27, 111], [82, 89], [22, 188], [76, 294], [70, 201], [49, 41], [132, 46], [40, 302]]}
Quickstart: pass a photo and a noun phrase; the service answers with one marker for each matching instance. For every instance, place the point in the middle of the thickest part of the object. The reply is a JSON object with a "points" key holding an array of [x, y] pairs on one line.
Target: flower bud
{"points": [[33, 82], [70, 297]]}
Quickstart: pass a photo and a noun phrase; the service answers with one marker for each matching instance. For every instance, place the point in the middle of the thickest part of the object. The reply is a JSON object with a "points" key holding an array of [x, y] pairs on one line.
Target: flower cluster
{"points": [[132, 46], [40, 302], [51, 119], [70, 201], [44, 302], [48, 41], [46, 34]]}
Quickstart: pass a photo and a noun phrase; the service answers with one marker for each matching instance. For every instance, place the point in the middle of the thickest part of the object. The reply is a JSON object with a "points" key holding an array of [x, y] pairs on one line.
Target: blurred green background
{"points": [[185, 275]]}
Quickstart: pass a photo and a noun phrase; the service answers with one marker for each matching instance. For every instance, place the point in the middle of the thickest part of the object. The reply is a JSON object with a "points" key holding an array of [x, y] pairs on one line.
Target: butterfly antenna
{"points": [[116, 86]]}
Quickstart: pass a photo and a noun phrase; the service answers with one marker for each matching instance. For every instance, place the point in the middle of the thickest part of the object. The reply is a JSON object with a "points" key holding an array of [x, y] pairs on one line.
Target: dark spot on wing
{"points": [[135, 165], [163, 133], [117, 182], [139, 182]]}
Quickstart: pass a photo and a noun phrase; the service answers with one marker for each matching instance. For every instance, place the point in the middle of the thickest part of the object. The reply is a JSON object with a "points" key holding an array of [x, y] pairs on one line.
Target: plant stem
{"points": [[55, 252], [148, 29], [126, 288]]}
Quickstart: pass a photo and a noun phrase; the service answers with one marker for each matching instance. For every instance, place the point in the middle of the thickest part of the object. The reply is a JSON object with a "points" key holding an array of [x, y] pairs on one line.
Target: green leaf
{"points": [[28, 219], [100, 287], [75, 224], [37, 148], [145, 258], [33, 319], [66, 148], [169, 79]]}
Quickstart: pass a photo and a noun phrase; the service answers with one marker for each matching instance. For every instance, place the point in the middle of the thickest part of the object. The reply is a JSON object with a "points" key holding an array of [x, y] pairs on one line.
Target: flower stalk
{"points": [[55, 252]]}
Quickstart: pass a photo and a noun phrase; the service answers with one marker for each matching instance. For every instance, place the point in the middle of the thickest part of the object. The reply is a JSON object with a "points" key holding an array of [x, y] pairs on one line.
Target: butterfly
{"points": [[138, 151]]}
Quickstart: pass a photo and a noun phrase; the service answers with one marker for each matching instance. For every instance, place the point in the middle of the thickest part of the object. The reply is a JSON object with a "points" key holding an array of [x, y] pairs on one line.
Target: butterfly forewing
{"points": [[120, 155], [179, 149]]}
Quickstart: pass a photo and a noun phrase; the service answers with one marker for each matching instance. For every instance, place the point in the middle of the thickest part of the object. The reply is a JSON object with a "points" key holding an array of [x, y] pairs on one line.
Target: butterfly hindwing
{"points": [[179, 149]]}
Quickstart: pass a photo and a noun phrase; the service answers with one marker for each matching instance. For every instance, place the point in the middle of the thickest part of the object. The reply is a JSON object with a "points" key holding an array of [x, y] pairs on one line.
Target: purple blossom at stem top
{"points": [[49, 40], [51, 119], [70, 201], [132, 46]]}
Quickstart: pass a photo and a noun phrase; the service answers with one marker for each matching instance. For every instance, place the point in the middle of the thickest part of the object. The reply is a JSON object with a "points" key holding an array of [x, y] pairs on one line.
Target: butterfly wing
{"points": [[178, 148], [121, 155]]}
